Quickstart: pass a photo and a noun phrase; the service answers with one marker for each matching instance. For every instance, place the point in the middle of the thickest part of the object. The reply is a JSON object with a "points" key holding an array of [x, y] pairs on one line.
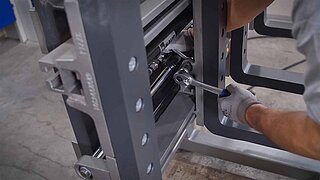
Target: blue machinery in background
{"points": [[6, 14]]}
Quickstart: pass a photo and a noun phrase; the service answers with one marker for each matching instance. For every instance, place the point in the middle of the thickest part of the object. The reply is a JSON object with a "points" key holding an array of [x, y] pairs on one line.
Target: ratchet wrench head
{"points": [[183, 78]]}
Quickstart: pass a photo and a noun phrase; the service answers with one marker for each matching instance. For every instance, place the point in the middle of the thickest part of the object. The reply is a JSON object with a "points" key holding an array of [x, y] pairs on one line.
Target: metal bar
{"points": [[89, 101], [54, 24], [243, 72], [210, 43], [277, 21], [161, 79], [152, 8], [210, 26], [198, 56], [84, 130], [177, 140], [159, 26], [250, 154], [171, 124], [262, 26], [123, 81], [173, 150], [39, 30]]}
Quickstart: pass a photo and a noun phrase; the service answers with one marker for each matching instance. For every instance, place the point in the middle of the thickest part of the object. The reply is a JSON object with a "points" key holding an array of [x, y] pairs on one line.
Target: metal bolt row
{"points": [[133, 63]]}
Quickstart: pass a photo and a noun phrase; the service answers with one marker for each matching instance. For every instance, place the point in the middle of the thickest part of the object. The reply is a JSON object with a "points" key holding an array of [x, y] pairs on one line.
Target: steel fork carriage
{"points": [[104, 72]]}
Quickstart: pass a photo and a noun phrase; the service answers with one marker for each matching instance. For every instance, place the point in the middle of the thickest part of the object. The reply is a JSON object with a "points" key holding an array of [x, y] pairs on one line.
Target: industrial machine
{"points": [[109, 60]]}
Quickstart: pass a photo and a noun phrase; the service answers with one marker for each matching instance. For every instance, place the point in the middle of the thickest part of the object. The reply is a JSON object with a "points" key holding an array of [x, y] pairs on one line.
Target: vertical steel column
{"points": [[53, 25], [114, 40], [210, 56]]}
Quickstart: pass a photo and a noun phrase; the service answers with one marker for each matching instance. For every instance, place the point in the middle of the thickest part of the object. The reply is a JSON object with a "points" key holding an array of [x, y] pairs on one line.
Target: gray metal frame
{"points": [[52, 28], [133, 116], [273, 25], [103, 74], [251, 154], [152, 8], [71, 62], [228, 142], [243, 72], [123, 119], [278, 21], [255, 75], [273, 17], [210, 65], [50, 24], [170, 16]]}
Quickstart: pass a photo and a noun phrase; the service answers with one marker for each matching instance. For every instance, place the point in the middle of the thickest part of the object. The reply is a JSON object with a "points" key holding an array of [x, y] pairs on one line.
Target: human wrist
{"points": [[254, 115]]}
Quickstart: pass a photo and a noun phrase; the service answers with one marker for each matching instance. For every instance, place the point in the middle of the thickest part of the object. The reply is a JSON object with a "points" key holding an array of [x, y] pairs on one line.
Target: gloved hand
{"points": [[236, 105], [183, 42]]}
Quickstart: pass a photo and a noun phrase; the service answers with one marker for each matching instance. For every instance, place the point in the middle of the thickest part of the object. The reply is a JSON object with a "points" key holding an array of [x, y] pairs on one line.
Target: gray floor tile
{"points": [[272, 52]]}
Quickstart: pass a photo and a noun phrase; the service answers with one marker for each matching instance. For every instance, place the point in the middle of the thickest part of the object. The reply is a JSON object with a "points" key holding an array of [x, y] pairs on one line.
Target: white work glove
{"points": [[183, 42], [236, 105]]}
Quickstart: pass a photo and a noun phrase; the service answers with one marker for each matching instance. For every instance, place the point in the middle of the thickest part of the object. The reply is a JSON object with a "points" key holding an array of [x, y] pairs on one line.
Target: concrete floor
{"points": [[35, 133]]}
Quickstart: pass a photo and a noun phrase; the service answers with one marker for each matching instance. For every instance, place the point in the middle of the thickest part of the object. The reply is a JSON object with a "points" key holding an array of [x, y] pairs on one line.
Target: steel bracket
{"points": [[89, 167]]}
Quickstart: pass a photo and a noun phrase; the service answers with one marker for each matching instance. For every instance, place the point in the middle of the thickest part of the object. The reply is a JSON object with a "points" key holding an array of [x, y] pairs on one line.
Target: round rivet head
{"points": [[132, 64], [85, 173], [139, 105], [145, 139], [150, 168]]}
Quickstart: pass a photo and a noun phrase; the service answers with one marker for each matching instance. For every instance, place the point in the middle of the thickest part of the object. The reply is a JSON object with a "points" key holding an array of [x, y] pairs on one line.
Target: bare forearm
{"points": [[293, 131], [241, 12]]}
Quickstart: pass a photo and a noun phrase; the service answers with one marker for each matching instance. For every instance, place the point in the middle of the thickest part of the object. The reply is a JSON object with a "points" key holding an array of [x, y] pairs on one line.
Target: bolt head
{"points": [[145, 139], [139, 105], [132, 64], [85, 173], [150, 168]]}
